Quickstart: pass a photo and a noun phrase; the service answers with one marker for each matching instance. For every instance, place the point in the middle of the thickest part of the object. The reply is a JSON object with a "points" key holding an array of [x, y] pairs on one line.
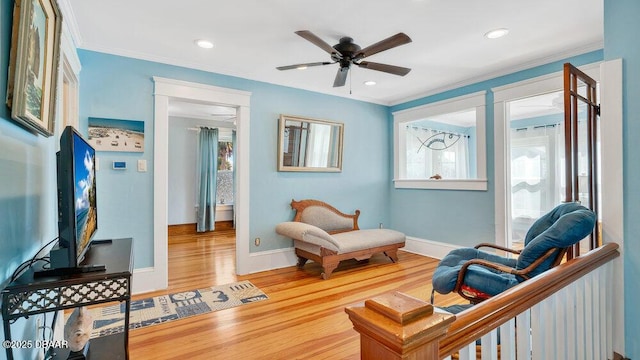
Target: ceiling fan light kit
{"points": [[346, 52]]}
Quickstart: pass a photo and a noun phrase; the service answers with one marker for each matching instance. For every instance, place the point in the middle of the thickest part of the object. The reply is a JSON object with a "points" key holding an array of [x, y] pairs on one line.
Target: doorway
{"points": [[167, 90], [529, 153], [186, 120]]}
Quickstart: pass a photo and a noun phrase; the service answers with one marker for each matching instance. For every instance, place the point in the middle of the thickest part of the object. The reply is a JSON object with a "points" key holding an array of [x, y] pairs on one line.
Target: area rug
{"points": [[160, 309]]}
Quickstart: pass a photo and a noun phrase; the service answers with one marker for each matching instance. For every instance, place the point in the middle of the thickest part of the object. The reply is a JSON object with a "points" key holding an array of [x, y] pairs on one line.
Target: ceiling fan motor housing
{"points": [[348, 49]]}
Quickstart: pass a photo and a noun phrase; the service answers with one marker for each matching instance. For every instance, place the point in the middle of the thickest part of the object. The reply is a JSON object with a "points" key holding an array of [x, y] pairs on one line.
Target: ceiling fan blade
{"points": [[386, 44], [311, 37], [302, 66], [341, 77], [391, 69]]}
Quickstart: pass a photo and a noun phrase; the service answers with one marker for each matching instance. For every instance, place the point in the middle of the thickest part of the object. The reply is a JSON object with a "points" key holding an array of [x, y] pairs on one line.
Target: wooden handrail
{"points": [[472, 324]]}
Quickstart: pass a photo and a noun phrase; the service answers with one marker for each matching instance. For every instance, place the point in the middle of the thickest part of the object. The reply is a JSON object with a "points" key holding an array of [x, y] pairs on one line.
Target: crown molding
{"points": [[506, 71], [69, 21]]}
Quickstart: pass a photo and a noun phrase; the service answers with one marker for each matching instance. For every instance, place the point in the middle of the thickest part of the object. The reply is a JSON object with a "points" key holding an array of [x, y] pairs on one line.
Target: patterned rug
{"points": [[157, 310]]}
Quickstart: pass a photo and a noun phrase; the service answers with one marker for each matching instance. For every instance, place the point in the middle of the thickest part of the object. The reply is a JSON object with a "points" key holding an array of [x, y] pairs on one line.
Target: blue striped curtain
{"points": [[208, 169]]}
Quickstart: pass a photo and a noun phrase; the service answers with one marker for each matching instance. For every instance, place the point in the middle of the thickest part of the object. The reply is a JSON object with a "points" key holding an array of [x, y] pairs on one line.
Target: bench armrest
{"points": [[308, 233]]}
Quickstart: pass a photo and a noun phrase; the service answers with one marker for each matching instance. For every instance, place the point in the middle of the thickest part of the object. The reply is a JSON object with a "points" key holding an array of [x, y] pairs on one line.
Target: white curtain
{"points": [[319, 143], [431, 152], [537, 174]]}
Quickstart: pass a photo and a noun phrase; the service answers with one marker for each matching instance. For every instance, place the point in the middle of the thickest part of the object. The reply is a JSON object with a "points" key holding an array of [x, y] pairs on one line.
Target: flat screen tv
{"points": [[77, 209]]}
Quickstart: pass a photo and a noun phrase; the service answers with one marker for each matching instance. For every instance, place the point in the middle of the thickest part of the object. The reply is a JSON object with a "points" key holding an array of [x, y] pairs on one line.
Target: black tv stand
{"points": [[68, 271], [27, 296]]}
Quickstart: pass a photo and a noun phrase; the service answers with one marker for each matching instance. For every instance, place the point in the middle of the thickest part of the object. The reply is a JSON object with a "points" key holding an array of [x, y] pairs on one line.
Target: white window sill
{"points": [[458, 184]]}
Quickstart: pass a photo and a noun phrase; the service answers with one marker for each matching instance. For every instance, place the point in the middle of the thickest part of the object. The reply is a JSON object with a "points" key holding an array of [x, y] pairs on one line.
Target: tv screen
{"points": [[84, 180], [77, 210]]}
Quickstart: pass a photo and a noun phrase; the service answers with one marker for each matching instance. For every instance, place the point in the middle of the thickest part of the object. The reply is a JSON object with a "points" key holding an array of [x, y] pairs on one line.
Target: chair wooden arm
{"points": [[506, 269], [517, 252], [485, 263]]}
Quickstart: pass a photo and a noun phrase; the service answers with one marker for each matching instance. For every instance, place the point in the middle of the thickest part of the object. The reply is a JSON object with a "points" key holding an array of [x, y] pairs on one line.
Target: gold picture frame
{"points": [[306, 144], [33, 64]]}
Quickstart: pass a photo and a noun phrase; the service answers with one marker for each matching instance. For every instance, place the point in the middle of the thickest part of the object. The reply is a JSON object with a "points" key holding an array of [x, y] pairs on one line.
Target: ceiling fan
{"points": [[346, 52]]}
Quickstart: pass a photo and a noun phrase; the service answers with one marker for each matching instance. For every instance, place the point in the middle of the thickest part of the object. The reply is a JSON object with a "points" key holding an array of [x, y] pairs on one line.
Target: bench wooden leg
{"points": [[301, 261], [392, 254], [328, 269]]}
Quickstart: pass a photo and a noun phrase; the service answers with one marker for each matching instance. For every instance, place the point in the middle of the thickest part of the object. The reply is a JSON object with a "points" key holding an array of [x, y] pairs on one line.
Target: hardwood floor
{"points": [[303, 318]]}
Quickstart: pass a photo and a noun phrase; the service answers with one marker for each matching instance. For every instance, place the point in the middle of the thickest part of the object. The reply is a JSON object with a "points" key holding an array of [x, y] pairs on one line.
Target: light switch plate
{"points": [[142, 165]]}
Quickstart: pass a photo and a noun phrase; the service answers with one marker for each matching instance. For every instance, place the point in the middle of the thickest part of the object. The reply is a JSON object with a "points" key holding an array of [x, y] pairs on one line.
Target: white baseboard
{"points": [[272, 259], [430, 248], [147, 280]]}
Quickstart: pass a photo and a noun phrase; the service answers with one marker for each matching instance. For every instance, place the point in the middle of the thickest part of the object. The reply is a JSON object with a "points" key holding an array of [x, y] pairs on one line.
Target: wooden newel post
{"points": [[398, 326]]}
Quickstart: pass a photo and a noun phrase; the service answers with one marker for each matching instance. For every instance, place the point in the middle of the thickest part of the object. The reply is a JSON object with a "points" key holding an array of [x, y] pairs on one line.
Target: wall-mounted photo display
{"points": [[33, 64], [116, 135]]}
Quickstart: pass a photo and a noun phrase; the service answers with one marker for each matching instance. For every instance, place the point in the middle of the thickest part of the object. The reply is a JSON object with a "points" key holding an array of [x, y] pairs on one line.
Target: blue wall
{"points": [[621, 28], [435, 214], [118, 87], [27, 195], [122, 88]]}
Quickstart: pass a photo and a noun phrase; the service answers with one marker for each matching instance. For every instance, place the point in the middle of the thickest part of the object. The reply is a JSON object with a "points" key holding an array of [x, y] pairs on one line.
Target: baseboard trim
{"points": [[147, 280], [430, 248], [190, 229], [272, 259]]}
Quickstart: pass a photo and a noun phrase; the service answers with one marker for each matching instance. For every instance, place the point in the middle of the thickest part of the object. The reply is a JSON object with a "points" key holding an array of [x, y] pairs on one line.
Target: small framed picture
{"points": [[116, 135], [33, 64]]}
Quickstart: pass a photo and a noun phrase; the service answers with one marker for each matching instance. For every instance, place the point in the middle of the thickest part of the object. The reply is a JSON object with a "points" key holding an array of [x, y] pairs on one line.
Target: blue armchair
{"points": [[477, 275]]}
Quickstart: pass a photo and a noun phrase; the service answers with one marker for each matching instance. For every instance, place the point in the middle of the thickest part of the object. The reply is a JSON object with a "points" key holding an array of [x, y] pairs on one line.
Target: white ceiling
{"points": [[252, 37]]}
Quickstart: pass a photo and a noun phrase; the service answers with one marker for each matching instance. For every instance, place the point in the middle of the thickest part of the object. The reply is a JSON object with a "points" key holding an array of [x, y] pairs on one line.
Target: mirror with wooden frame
{"points": [[309, 144]]}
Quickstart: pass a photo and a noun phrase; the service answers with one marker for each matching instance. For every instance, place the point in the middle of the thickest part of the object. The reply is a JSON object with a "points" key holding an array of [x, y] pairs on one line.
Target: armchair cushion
{"points": [[545, 242], [562, 227], [479, 277]]}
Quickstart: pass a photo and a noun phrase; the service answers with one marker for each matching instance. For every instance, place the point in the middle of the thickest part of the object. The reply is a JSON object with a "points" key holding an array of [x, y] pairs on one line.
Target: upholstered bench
{"points": [[327, 236]]}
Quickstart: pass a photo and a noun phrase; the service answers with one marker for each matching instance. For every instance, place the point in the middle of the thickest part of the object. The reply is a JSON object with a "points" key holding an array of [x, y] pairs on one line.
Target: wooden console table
{"points": [[27, 296]]}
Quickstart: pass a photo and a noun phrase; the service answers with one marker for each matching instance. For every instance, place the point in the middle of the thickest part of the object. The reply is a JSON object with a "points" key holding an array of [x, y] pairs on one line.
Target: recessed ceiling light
{"points": [[497, 33], [205, 44], [369, 82]]}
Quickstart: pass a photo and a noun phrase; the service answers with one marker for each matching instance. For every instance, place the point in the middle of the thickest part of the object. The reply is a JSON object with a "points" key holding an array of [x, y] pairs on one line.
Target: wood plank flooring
{"points": [[303, 318]]}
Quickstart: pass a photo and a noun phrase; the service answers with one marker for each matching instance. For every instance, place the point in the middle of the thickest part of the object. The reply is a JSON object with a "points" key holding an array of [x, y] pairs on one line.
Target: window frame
{"points": [[460, 103]]}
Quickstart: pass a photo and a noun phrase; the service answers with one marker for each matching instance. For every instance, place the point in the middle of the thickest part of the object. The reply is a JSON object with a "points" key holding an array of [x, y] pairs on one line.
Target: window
{"points": [[441, 145]]}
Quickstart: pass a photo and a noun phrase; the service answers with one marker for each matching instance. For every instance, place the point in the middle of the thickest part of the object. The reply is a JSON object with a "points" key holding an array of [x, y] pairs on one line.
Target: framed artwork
{"points": [[116, 135], [33, 64]]}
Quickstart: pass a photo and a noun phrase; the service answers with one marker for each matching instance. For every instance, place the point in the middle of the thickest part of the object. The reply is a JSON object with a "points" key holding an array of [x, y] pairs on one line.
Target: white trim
{"points": [[69, 21], [612, 206], [610, 76], [430, 248], [272, 259], [506, 71], [475, 100], [539, 85], [501, 95], [164, 90], [441, 107], [281, 258], [144, 280], [455, 184]]}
